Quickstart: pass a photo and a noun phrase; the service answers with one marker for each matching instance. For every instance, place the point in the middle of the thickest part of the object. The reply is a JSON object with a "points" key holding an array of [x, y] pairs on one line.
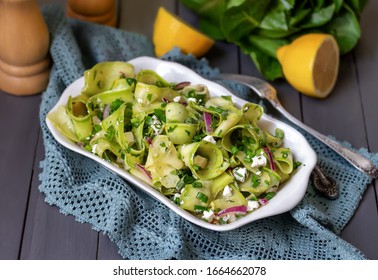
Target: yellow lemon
{"points": [[170, 31], [311, 64]]}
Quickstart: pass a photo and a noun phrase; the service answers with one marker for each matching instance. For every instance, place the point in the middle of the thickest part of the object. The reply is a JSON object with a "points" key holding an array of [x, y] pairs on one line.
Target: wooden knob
{"points": [[24, 47], [98, 11]]}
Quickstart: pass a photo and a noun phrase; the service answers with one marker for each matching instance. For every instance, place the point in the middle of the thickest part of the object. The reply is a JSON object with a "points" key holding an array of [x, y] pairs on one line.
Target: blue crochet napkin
{"points": [[143, 228]]}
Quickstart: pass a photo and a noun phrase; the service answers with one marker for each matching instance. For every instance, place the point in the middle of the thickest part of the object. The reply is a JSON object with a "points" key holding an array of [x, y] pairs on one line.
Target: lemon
{"points": [[170, 31], [311, 64]]}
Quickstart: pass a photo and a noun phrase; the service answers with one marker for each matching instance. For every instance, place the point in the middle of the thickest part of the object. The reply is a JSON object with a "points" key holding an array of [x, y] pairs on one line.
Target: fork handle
{"points": [[357, 160]]}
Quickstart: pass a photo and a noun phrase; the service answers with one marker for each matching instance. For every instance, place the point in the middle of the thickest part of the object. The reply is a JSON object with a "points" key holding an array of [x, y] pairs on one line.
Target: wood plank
{"points": [[19, 134], [366, 58], [341, 115], [362, 228], [222, 55], [107, 249], [135, 17], [340, 111], [50, 234]]}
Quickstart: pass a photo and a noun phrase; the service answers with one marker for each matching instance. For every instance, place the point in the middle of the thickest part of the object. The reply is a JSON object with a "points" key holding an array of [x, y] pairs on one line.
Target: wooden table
{"points": [[31, 229]]}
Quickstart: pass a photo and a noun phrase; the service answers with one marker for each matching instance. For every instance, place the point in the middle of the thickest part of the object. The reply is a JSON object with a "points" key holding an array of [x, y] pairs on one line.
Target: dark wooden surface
{"points": [[32, 229]]}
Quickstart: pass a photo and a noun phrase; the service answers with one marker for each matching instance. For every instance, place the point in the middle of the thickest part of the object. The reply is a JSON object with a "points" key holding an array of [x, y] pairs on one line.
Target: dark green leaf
{"points": [[298, 16], [346, 29], [276, 17], [266, 45], [239, 21], [356, 5], [320, 17], [268, 66], [211, 29], [210, 9]]}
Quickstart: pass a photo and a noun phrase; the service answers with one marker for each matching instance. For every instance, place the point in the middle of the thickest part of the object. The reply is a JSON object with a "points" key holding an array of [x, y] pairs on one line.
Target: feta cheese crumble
{"points": [[210, 139], [192, 99], [178, 99], [258, 161], [208, 215], [156, 125], [229, 218], [240, 173], [227, 191], [252, 205]]}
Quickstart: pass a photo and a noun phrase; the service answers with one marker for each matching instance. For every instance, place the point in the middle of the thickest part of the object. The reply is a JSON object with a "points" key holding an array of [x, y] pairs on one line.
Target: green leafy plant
{"points": [[260, 27]]}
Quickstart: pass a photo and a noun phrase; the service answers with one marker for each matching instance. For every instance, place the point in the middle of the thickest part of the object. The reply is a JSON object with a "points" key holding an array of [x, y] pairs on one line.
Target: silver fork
{"points": [[266, 91]]}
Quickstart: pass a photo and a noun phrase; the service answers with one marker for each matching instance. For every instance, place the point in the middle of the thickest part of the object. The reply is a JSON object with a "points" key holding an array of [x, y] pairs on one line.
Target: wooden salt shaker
{"points": [[24, 47], [98, 11]]}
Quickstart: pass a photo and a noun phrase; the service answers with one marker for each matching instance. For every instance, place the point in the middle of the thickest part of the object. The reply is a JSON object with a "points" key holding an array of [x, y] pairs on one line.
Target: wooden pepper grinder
{"points": [[98, 11], [24, 48]]}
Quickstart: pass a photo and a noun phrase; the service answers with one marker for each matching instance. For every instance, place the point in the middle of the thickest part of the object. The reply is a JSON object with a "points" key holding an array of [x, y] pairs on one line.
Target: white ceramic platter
{"points": [[290, 193]]}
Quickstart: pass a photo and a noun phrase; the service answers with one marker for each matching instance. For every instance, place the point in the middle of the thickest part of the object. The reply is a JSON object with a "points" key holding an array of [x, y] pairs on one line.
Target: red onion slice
{"points": [[263, 201], [271, 162], [106, 111], [149, 140], [238, 210], [181, 85], [144, 171], [208, 121]]}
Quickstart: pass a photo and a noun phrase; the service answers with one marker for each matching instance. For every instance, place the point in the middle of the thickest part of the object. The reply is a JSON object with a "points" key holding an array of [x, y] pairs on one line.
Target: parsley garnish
{"points": [[160, 114]]}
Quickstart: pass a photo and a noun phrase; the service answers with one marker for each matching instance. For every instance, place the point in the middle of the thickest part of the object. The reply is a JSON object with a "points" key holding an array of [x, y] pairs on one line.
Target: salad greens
{"points": [[208, 156], [259, 27]]}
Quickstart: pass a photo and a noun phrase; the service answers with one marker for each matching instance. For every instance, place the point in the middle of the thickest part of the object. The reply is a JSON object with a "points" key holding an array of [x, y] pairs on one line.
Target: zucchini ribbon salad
{"points": [[202, 152]]}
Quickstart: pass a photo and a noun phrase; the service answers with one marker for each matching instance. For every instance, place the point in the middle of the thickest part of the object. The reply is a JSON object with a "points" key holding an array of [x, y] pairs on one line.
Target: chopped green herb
{"points": [[185, 179], [115, 105], [279, 133], [149, 97], [171, 128], [200, 209], [197, 184], [270, 195], [227, 97], [99, 115], [136, 122], [110, 133], [131, 81], [234, 150], [255, 181], [198, 137], [159, 84], [160, 114], [196, 167], [177, 200], [96, 128], [202, 197], [296, 164]]}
